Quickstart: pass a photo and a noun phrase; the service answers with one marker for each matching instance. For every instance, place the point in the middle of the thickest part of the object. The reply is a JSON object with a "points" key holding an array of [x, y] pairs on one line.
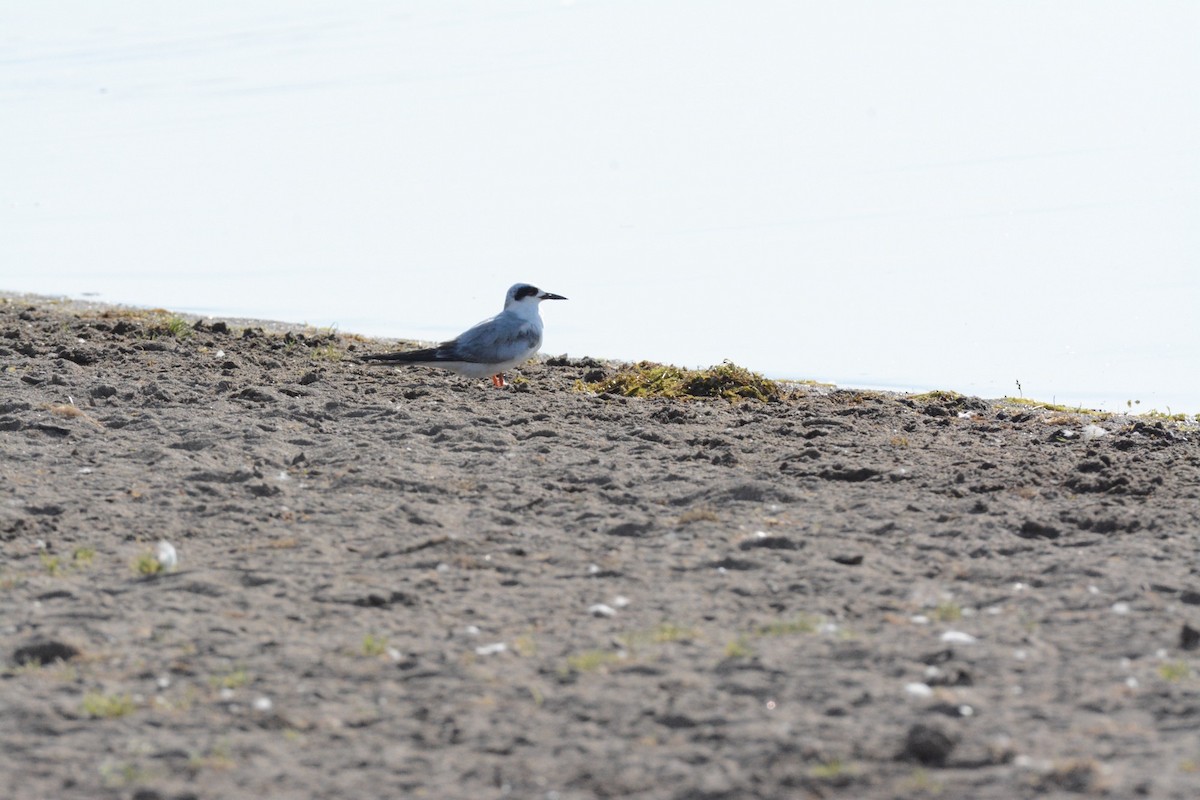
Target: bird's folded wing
{"points": [[495, 343]]}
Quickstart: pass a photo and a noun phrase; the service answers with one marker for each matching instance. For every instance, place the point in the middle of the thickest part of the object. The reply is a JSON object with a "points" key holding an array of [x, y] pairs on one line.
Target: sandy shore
{"points": [[409, 584]]}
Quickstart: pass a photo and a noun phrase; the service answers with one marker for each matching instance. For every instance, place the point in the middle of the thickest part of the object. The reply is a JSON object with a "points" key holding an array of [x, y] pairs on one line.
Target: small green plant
{"points": [[525, 646], [669, 632], [230, 680], [947, 611], [218, 757], [833, 771], [83, 556], [920, 782], [327, 352], [147, 564], [52, 564], [124, 773], [1174, 671], [173, 326], [107, 706], [738, 648], [663, 633], [373, 646], [1038, 404], [590, 661]]}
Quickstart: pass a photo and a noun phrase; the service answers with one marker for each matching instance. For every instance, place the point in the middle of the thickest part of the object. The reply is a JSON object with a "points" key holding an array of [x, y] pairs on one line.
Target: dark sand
{"points": [[387, 583]]}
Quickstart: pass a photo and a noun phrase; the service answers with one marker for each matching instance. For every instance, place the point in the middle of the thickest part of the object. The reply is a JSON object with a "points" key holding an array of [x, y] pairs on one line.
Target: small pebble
{"points": [[1120, 607], [958, 637], [919, 689], [620, 601], [164, 554], [491, 649], [602, 610], [262, 704], [919, 619]]}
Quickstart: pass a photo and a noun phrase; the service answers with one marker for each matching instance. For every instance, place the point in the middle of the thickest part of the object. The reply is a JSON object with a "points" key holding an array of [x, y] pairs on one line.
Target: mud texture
{"points": [[409, 584]]}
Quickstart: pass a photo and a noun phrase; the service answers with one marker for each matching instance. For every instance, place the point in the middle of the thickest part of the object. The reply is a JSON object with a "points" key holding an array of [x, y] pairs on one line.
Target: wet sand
{"points": [[403, 583]]}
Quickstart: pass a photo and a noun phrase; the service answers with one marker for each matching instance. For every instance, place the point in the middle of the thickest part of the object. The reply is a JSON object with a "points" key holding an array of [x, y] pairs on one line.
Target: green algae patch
{"points": [[648, 379]]}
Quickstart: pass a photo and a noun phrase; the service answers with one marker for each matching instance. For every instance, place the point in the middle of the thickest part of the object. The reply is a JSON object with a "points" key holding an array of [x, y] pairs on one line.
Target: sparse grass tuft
{"points": [[834, 771], [669, 632], [147, 564], [57, 566], [1038, 404], [938, 396], [107, 706], [230, 680], [648, 379], [1174, 671], [172, 326], [921, 783], [373, 646], [947, 611], [590, 660], [218, 757], [52, 564], [525, 646], [327, 352], [738, 648]]}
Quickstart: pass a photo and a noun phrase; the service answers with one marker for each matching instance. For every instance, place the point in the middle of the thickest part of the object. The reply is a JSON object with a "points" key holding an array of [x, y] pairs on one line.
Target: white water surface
{"points": [[955, 195]]}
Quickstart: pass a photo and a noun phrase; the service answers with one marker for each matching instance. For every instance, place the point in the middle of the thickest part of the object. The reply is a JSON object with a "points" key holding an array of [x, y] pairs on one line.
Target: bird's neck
{"points": [[525, 311]]}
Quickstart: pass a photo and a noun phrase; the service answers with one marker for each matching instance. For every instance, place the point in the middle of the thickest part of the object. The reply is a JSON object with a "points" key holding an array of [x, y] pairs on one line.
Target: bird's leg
{"points": [[498, 380]]}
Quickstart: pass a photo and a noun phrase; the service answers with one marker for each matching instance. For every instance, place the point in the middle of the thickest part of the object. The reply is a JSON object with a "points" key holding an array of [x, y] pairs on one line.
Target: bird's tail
{"points": [[405, 357]]}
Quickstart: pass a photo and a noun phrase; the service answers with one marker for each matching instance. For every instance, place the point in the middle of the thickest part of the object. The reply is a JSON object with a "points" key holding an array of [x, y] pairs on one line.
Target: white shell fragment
{"points": [[919, 689], [602, 610], [491, 649], [958, 637], [165, 555]]}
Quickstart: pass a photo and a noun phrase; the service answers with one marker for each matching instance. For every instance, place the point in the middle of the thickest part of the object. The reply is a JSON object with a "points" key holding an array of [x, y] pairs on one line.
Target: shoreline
{"points": [[276, 326]]}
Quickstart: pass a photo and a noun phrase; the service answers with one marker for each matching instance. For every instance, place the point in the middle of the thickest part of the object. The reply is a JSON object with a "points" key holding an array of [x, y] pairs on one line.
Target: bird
{"points": [[489, 348]]}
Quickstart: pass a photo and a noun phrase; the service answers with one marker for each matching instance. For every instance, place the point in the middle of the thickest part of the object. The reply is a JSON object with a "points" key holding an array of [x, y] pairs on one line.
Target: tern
{"points": [[488, 349]]}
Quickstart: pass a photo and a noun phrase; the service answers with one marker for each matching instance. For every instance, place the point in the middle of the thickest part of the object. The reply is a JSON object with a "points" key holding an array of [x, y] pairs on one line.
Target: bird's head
{"points": [[522, 294]]}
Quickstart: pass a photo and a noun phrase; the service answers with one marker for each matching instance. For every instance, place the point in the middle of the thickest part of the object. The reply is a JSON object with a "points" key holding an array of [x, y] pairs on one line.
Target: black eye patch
{"points": [[526, 291]]}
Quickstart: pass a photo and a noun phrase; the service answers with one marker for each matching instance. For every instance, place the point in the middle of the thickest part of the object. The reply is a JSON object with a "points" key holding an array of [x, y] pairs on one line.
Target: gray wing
{"points": [[501, 338]]}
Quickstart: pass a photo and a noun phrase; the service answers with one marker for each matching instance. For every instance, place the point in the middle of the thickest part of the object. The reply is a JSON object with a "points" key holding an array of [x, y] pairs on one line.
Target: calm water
{"points": [[936, 195]]}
